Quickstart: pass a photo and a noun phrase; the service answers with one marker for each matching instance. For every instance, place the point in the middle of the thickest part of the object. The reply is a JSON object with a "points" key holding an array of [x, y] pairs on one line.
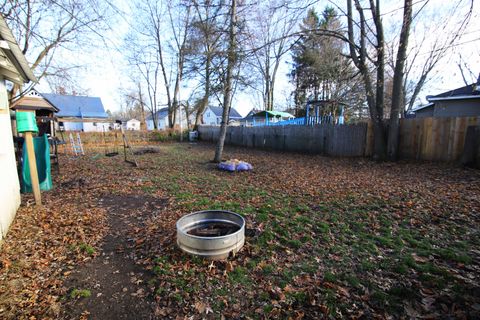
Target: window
{"points": [[94, 124]]}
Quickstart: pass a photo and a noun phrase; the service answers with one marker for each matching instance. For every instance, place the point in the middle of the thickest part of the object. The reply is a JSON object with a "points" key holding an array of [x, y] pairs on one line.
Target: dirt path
{"points": [[117, 286]]}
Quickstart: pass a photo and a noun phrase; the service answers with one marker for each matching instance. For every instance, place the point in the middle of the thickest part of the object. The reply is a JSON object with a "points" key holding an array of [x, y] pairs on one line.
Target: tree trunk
{"points": [[143, 121], [228, 83], [204, 102], [394, 125]]}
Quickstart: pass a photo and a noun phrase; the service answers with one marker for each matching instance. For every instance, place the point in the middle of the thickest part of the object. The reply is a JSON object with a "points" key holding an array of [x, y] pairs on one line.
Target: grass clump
{"points": [[80, 293]]}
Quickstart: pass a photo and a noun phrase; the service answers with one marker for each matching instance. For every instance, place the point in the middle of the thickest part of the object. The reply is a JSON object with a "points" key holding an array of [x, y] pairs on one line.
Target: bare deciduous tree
{"points": [[206, 54], [368, 54], [228, 88], [434, 35], [268, 28], [44, 27]]}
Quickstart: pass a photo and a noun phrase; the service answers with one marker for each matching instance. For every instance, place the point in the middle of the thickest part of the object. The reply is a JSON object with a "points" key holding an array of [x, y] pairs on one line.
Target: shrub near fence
{"points": [[437, 139]]}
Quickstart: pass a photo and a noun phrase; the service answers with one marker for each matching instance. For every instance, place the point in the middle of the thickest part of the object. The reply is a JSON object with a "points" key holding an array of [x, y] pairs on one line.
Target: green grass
{"points": [[239, 275], [80, 293], [358, 239], [86, 248]]}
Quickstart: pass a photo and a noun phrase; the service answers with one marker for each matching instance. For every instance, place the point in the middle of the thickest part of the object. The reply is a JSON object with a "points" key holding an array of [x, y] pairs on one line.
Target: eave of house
{"points": [[453, 98], [13, 64], [424, 107]]}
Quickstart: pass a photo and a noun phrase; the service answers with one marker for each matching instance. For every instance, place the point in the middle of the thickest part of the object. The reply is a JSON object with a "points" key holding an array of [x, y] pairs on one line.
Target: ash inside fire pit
{"points": [[213, 229]]}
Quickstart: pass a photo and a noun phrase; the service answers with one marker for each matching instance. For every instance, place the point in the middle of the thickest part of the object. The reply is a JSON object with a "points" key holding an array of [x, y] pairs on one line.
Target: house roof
{"points": [[471, 91], [252, 112], [218, 111], [428, 105], [15, 66], [161, 113], [76, 106]]}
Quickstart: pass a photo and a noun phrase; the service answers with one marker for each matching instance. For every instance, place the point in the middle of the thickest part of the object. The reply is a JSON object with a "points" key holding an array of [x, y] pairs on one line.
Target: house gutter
{"points": [[454, 98]]}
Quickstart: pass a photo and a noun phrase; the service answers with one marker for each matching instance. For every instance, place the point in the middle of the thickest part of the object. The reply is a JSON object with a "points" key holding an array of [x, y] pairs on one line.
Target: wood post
{"points": [[32, 163]]}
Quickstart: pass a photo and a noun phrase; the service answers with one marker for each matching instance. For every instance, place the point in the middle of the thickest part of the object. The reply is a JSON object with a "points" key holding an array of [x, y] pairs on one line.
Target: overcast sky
{"points": [[104, 73]]}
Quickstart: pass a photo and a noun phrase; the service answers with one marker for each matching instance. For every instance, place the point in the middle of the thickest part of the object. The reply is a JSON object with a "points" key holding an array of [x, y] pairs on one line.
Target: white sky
{"points": [[104, 72]]}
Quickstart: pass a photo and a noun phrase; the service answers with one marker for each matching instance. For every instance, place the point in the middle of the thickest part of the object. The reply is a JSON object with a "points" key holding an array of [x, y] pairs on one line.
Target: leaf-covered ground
{"points": [[327, 238]]}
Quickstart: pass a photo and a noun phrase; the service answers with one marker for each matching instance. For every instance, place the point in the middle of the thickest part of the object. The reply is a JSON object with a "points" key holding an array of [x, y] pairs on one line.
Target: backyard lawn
{"points": [[326, 238]]}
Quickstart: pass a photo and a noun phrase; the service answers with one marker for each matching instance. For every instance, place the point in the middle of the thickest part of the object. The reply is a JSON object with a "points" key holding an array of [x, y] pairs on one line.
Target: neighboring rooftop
{"points": [[161, 113], [219, 110], [76, 106], [466, 92]]}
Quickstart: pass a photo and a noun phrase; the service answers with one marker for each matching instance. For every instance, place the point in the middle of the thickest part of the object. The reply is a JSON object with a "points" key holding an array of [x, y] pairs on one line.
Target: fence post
{"points": [[369, 139]]}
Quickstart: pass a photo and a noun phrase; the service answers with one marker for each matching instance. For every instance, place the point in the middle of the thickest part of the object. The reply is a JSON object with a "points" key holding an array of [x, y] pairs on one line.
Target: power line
{"points": [[450, 46]]}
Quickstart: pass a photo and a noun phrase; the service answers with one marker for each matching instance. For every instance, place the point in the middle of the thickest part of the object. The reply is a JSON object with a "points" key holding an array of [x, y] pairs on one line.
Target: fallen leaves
{"points": [[331, 238]]}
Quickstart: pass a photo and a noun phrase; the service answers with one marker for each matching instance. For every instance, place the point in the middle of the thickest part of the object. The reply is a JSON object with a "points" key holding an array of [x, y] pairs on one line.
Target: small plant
{"points": [[268, 269], [88, 249], [238, 275], [80, 293]]}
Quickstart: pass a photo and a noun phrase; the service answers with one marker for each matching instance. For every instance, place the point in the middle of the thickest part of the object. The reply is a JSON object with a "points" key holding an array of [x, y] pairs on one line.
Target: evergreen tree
{"points": [[321, 71]]}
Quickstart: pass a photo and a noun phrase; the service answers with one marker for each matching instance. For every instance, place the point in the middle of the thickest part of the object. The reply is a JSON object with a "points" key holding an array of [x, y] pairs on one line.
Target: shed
{"points": [[132, 124]]}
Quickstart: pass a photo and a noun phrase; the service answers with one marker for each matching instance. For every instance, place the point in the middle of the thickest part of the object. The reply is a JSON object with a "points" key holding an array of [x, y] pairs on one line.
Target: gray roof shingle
{"points": [[219, 110], [161, 113]]}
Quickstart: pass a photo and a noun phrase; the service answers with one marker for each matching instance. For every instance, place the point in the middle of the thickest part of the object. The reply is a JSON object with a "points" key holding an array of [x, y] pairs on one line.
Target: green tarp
{"points": [[42, 155]]}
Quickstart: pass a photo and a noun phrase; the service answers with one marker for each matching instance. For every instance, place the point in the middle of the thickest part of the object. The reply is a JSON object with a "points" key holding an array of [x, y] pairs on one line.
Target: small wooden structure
{"points": [[44, 111], [45, 116]]}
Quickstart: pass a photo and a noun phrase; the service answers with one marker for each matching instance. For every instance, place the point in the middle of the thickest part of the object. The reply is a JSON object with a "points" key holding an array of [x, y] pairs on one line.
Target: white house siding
{"points": [[95, 126], [72, 126], [161, 124], [133, 125], [210, 118], [86, 126], [10, 186]]}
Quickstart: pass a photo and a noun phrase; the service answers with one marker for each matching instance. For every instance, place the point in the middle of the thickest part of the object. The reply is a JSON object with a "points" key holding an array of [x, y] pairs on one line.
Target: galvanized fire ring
{"points": [[212, 248]]}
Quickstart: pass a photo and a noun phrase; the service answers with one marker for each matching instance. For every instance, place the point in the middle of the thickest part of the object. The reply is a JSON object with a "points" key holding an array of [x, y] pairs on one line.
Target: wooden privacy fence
{"points": [[438, 139], [326, 139]]}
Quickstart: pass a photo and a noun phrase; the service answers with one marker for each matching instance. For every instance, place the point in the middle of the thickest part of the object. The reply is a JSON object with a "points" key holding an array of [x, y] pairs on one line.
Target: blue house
{"points": [[79, 113]]}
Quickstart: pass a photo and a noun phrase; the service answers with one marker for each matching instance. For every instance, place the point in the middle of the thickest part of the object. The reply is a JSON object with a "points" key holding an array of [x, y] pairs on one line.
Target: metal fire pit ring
{"points": [[216, 247]]}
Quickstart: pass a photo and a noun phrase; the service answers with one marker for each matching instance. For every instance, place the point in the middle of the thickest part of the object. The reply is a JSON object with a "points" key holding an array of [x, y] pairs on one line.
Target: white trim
{"points": [[454, 98], [423, 107]]}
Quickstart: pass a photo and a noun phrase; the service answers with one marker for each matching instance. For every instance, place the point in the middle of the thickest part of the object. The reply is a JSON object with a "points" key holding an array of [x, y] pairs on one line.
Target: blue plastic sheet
{"points": [[235, 165]]}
